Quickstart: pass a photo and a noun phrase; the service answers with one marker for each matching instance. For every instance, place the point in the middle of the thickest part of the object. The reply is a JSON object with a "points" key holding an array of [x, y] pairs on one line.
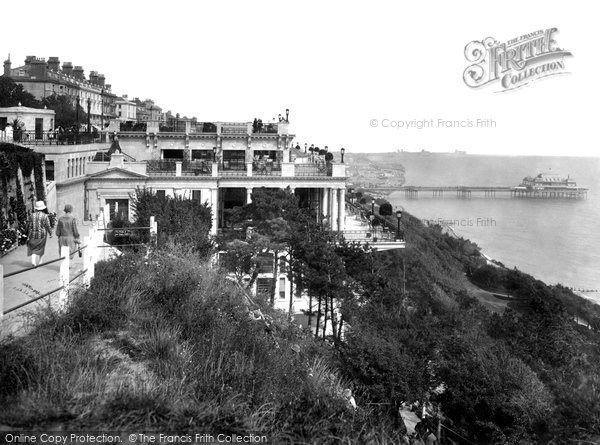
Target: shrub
{"points": [[16, 363], [386, 209]]}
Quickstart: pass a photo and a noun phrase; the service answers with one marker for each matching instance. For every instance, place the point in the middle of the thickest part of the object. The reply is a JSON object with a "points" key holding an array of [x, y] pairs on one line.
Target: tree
{"points": [[12, 93], [385, 209], [65, 109]]}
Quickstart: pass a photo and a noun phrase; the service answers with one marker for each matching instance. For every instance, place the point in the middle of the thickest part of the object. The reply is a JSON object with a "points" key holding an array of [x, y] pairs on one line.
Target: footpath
{"points": [[33, 283]]}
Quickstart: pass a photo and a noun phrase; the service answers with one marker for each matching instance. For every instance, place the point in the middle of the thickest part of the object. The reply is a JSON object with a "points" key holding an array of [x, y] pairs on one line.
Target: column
{"points": [[334, 210], [248, 195], [325, 203], [214, 204], [342, 209]]}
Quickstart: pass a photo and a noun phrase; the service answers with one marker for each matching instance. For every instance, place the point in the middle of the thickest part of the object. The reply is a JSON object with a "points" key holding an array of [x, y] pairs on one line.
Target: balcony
{"points": [[55, 137], [169, 167], [361, 229], [266, 167]]}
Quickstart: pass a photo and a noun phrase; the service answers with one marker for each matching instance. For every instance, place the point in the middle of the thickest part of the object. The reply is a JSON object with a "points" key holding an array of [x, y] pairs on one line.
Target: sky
{"points": [[349, 72]]}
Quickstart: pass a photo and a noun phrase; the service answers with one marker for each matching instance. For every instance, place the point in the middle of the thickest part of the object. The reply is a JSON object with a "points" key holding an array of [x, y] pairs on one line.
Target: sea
{"points": [[555, 240]]}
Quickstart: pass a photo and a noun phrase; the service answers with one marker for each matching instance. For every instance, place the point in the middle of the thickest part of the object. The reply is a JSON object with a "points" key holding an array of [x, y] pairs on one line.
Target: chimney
{"points": [[28, 60], [78, 73], [38, 68], [54, 64], [68, 68], [94, 77], [101, 79], [7, 67]]}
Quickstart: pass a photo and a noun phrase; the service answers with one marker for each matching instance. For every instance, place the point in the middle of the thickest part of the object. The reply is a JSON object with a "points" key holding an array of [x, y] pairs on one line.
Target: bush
{"points": [[16, 363], [183, 221], [386, 209]]}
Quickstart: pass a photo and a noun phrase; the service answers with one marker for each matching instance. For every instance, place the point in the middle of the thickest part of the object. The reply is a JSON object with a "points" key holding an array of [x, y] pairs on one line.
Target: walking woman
{"points": [[66, 230], [39, 227]]}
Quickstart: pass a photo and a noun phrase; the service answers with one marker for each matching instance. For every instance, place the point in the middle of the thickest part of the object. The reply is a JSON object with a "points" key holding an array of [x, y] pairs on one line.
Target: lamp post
{"points": [[287, 114], [305, 147], [343, 150], [372, 207], [89, 104], [399, 216]]}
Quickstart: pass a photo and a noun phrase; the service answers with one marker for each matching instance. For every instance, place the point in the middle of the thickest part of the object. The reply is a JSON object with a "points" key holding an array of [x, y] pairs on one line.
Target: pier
{"points": [[466, 192]]}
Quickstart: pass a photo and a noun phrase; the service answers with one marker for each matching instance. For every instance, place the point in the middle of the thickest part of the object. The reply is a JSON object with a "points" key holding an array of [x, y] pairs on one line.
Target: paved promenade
{"points": [[27, 285]]}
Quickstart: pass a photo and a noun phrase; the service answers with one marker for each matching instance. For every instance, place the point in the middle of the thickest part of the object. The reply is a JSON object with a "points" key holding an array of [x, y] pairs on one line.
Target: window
{"points": [[263, 287], [49, 170], [282, 264], [282, 288], [119, 209], [196, 195], [161, 193]]}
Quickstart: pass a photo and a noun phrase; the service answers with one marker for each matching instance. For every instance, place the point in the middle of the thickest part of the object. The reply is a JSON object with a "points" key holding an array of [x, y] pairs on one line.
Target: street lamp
{"points": [[214, 154], [399, 216], [305, 147], [287, 114], [343, 150], [372, 207]]}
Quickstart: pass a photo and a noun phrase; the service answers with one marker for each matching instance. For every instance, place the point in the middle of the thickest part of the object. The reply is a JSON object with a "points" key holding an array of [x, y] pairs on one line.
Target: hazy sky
{"points": [[336, 65]]}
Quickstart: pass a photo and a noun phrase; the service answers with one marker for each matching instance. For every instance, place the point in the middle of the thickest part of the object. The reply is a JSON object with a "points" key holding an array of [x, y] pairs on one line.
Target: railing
{"points": [[311, 170], [234, 128], [375, 235], [265, 128], [266, 167], [382, 226], [105, 157], [90, 253], [234, 166], [55, 138], [196, 168], [160, 166]]}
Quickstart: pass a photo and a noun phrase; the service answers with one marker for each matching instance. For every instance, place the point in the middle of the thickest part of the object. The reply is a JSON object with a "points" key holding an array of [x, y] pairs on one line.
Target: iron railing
{"points": [[55, 137], [266, 167], [196, 168]]}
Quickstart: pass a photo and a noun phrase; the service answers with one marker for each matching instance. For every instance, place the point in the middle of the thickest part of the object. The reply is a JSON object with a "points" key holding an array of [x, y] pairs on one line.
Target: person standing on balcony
{"points": [[39, 227], [66, 230]]}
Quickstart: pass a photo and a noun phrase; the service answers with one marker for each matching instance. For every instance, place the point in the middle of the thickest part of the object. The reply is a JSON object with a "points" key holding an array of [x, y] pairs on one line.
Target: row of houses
{"points": [[43, 78]]}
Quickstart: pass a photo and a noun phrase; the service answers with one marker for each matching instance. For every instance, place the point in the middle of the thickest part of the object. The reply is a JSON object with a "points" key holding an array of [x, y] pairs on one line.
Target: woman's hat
{"points": [[39, 205]]}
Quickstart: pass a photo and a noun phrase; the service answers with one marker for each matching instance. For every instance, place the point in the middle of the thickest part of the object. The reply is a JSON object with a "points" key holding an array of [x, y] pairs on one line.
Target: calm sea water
{"points": [[556, 240]]}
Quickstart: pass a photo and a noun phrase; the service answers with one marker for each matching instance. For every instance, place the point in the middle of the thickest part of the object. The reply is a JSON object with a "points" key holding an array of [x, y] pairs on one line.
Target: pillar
{"points": [[342, 209], [248, 195], [214, 204], [325, 203], [334, 209], [63, 280]]}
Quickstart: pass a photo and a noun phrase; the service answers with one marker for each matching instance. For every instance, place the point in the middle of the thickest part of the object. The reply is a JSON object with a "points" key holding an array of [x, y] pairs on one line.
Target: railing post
{"points": [[63, 279], [1, 293], [153, 230], [88, 263]]}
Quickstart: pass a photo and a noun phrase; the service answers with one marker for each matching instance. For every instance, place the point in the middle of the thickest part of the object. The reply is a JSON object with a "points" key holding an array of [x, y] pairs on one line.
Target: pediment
{"points": [[117, 173]]}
